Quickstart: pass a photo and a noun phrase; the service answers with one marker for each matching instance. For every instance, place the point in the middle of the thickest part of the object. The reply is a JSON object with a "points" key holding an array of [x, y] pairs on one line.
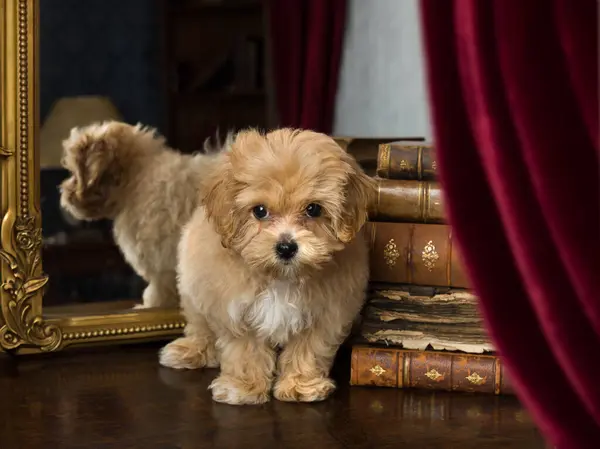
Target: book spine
{"points": [[407, 253], [366, 150], [405, 160], [407, 201], [398, 368]]}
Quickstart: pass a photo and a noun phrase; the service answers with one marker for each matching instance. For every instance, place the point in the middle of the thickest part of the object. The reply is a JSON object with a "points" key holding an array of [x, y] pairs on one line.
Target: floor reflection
{"points": [[121, 397]]}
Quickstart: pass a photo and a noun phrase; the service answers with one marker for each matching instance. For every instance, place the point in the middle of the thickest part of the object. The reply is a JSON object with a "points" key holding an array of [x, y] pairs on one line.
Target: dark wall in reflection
{"points": [[103, 47]]}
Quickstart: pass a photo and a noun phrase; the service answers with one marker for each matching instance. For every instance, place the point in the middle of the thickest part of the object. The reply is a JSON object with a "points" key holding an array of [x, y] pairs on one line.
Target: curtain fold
{"points": [[514, 93], [306, 43]]}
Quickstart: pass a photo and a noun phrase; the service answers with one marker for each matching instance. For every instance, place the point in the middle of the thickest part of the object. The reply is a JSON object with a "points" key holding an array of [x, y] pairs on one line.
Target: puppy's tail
{"points": [[214, 144]]}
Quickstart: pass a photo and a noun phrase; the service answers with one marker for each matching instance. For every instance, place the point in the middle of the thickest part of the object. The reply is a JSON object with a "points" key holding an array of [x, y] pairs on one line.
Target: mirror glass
{"points": [[190, 69]]}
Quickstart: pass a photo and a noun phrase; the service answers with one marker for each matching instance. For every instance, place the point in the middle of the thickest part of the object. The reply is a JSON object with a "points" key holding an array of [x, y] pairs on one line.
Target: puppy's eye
{"points": [[260, 212], [313, 210]]}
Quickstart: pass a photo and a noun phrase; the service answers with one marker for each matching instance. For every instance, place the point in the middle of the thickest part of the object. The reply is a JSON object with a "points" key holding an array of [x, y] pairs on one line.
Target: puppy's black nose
{"points": [[286, 249]]}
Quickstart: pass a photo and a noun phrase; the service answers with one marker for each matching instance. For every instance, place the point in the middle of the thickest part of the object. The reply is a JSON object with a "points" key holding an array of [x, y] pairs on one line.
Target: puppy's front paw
{"points": [[186, 353], [230, 390], [303, 389]]}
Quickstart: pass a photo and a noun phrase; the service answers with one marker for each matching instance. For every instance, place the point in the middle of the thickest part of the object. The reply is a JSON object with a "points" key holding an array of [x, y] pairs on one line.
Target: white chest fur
{"points": [[278, 312]]}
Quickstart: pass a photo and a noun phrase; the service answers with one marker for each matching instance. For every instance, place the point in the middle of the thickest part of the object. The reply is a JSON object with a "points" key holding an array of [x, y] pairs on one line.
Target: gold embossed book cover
{"points": [[432, 370], [414, 253], [407, 160]]}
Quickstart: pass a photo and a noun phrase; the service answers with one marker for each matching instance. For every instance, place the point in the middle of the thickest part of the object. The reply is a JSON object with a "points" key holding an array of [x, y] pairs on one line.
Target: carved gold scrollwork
{"points": [[23, 282], [403, 165], [5, 152], [21, 325], [391, 253], [429, 255], [122, 331]]}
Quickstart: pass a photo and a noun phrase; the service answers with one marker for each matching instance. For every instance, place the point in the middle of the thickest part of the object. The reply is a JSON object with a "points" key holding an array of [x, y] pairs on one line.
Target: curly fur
{"points": [[128, 174], [241, 301]]}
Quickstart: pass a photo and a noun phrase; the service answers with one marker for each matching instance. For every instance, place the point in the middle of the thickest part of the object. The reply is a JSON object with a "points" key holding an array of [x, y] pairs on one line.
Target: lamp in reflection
{"points": [[68, 113]]}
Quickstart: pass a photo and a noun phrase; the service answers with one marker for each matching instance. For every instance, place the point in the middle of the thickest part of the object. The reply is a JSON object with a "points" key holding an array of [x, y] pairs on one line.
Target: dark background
{"points": [[103, 47]]}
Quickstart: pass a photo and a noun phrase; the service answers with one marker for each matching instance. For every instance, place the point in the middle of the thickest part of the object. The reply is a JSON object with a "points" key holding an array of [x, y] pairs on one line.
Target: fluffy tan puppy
{"points": [[127, 174], [273, 261]]}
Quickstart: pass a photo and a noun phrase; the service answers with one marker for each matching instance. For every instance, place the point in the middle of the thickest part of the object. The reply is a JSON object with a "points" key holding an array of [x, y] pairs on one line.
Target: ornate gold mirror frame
{"points": [[25, 327]]}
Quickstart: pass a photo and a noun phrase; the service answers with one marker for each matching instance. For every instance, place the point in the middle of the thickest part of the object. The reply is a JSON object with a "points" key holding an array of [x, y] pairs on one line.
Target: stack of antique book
{"points": [[421, 326]]}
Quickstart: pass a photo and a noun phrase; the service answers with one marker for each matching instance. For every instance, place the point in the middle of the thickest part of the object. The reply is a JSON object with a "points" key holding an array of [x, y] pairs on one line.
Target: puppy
{"points": [[273, 260], [127, 174]]}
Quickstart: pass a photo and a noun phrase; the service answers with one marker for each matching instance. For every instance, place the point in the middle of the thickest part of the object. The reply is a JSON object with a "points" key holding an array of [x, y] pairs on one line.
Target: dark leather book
{"points": [[366, 149], [431, 370], [407, 160], [408, 253], [407, 201]]}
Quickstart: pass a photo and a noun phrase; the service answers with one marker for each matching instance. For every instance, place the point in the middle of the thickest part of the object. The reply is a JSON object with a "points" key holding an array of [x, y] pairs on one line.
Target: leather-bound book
{"points": [[432, 370], [407, 201], [408, 253], [366, 149], [407, 160]]}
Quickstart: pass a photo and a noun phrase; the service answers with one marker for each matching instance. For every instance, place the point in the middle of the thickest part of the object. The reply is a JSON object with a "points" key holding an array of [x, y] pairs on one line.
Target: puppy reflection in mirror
{"points": [[128, 174], [273, 260]]}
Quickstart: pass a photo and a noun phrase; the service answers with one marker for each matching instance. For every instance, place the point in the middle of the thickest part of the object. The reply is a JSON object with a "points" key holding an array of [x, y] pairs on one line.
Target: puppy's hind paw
{"points": [[301, 389], [186, 353]]}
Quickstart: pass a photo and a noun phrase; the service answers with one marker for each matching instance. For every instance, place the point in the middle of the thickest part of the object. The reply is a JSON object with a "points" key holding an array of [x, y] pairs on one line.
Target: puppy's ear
{"points": [[358, 194], [92, 163], [218, 196]]}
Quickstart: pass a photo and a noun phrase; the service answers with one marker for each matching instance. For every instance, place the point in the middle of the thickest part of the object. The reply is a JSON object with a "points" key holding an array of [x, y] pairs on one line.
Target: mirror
{"points": [[67, 64]]}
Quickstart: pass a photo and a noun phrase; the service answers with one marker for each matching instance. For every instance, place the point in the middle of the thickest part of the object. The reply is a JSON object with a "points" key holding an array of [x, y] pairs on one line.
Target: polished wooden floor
{"points": [[121, 398]]}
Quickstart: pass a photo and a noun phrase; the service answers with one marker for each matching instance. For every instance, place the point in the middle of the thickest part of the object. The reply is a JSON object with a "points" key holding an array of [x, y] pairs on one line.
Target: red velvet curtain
{"points": [[514, 92], [307, 38]]}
